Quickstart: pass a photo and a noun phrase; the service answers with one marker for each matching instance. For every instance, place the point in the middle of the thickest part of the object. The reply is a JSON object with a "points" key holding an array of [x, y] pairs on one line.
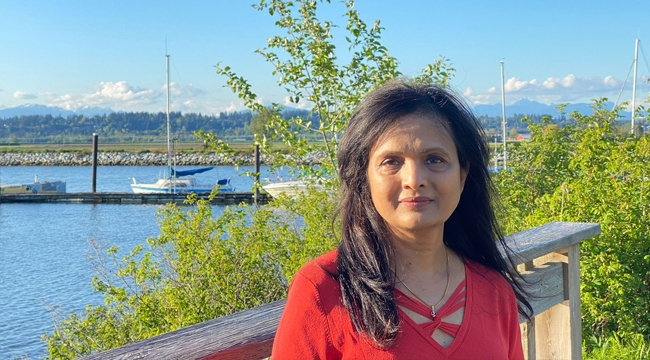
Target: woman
{"points": [[418, 273]]}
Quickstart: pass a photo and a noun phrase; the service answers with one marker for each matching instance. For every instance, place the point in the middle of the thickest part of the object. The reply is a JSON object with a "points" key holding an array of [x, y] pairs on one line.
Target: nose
{"points": [[413, 175]]}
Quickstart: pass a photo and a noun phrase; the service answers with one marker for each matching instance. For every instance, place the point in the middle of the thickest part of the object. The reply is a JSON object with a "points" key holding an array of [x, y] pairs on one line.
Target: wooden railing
{"points": [[548, 256]]}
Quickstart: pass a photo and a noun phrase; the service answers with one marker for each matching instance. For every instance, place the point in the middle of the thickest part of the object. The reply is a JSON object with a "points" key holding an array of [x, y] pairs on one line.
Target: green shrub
{"points": [[636, 347], [201, 267], [588, 172]]}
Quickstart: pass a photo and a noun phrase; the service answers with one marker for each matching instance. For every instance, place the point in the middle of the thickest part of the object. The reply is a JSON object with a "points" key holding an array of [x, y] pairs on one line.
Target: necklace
{"points": [[433, 307]]}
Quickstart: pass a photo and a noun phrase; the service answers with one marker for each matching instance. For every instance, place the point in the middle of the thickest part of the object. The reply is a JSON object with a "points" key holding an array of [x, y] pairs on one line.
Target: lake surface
{"points": [[44, 248]]}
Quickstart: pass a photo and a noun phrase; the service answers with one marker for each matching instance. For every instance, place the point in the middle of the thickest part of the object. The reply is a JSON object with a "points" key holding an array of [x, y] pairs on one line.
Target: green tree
{"points": [[310, 70], [260, 121]]}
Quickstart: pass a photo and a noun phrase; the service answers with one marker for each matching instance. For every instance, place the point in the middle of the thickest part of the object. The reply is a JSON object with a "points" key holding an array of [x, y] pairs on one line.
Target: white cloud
{"points": [[23, 96], [234, 107], [514, 84], [122, 96], [569, 80], [550, 83], [570, 88], [207, 108], [189, 91], [116, 95], [475, 98], [302, 104], [190, 106], [610, 81]]}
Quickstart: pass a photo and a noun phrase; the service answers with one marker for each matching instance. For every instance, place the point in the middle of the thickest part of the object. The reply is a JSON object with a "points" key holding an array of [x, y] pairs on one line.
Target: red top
{"points": [[316, 325]]}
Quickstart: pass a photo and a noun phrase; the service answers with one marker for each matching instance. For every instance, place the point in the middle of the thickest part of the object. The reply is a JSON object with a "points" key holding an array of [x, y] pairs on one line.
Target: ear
{"points": [[463, 176]]}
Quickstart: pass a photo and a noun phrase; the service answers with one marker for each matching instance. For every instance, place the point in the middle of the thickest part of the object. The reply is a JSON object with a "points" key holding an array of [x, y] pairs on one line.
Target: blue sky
{"points": [[111, 53]]}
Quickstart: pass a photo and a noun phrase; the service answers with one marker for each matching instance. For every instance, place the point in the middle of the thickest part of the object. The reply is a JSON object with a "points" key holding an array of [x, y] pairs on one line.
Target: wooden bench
{"points": [[548, 256]]}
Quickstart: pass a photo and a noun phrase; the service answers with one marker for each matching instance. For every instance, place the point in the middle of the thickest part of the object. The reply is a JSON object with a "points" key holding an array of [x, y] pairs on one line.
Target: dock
{"points": [[230, 198]]}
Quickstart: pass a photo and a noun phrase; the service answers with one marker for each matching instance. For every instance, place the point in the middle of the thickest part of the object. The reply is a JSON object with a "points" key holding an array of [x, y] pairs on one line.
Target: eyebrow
{"points": [[424, 151], [435, 149]]}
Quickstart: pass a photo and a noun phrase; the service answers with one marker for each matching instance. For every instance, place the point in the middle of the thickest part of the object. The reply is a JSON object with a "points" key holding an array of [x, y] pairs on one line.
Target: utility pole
{"points": [[503, 114], [636, 58], [172, 182]]}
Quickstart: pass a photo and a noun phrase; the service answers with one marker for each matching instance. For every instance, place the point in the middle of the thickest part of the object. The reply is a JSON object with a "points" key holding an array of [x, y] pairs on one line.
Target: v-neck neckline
{"points": [[462, 331]]}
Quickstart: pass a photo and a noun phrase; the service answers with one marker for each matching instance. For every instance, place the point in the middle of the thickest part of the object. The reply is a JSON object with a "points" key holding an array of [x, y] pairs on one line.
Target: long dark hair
{"points": [[365, 256]]}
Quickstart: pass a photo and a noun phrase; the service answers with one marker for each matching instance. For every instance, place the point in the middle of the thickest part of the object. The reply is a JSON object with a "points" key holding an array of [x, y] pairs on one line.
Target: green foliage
{"points": [[309, 70], [259, 122], [613, 347], [201, 267], [587, 172]]}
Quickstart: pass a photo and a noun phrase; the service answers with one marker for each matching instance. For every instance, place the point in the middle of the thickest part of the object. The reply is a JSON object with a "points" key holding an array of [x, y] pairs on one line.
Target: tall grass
{"points": [[631, 347]]}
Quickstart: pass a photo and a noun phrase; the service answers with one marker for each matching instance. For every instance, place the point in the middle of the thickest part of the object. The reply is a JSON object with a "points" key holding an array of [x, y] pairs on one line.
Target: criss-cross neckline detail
{"points": [[455, 302], [461, 297]]}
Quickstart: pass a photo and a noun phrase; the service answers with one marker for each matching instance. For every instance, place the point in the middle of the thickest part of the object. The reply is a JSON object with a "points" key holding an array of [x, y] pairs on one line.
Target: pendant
{"points": [[433, 312]]}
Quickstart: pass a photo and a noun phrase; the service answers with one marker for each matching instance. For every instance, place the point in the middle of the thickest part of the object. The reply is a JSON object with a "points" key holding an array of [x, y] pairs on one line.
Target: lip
{"points": [[416, 202]]}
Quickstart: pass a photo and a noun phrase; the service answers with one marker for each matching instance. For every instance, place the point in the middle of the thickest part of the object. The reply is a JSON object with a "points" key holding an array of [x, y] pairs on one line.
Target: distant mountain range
{"points": [[523, 106], [36, 109], [529, 107]]}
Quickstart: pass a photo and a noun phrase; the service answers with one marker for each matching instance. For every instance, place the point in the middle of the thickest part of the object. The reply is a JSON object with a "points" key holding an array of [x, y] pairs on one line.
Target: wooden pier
{"points": [[229, 198]]}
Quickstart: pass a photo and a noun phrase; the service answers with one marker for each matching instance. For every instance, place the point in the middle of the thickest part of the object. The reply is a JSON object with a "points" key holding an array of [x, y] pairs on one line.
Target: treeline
{"points": [[150, 127], [128, 126]]}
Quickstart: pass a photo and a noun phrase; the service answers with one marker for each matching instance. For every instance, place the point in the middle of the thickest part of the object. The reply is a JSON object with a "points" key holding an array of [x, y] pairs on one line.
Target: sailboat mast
{"points": [[169, 153], [503, 114], [636, 58]]}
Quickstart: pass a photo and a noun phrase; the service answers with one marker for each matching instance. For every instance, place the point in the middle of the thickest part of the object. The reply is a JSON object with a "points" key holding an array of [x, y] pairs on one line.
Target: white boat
{"points": [[36, 187], [179, 181], [290, 188]]}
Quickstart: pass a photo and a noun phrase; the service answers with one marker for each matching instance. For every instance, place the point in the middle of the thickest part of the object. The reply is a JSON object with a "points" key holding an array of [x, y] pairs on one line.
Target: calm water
{"points": [[44, 247]]}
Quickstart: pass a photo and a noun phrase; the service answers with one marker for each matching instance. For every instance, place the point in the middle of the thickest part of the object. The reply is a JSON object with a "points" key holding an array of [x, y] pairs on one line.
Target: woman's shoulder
{"points": [[318, 274], [487, 277], [324, 263], [307, 326]]}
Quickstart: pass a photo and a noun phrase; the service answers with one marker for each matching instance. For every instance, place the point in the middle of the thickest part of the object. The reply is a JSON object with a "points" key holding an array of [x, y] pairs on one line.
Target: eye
{"points": [[434, 159], [390, 162]]}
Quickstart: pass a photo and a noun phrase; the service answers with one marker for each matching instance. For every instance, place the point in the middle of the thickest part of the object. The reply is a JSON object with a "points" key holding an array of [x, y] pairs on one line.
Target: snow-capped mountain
{"points": [[530, 107], [37, 109]]}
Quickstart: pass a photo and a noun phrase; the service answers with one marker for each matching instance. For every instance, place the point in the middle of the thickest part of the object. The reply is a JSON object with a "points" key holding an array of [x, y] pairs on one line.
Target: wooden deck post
{"points": [[557, 332], [256, 192], [574, 301], [94, 181]]}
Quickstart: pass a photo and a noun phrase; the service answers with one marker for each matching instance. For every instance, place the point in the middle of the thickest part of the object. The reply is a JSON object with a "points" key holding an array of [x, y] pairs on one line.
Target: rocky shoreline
{"points": [[136, 159]]}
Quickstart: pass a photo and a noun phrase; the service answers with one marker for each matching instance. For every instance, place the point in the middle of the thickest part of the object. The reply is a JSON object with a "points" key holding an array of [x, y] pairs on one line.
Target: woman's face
{"points": [[414, 175]]}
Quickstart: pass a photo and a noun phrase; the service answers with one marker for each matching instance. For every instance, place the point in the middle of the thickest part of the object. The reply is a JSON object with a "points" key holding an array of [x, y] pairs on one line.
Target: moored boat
{"points": [[36, 187], [290, 188], [181, 182]]}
